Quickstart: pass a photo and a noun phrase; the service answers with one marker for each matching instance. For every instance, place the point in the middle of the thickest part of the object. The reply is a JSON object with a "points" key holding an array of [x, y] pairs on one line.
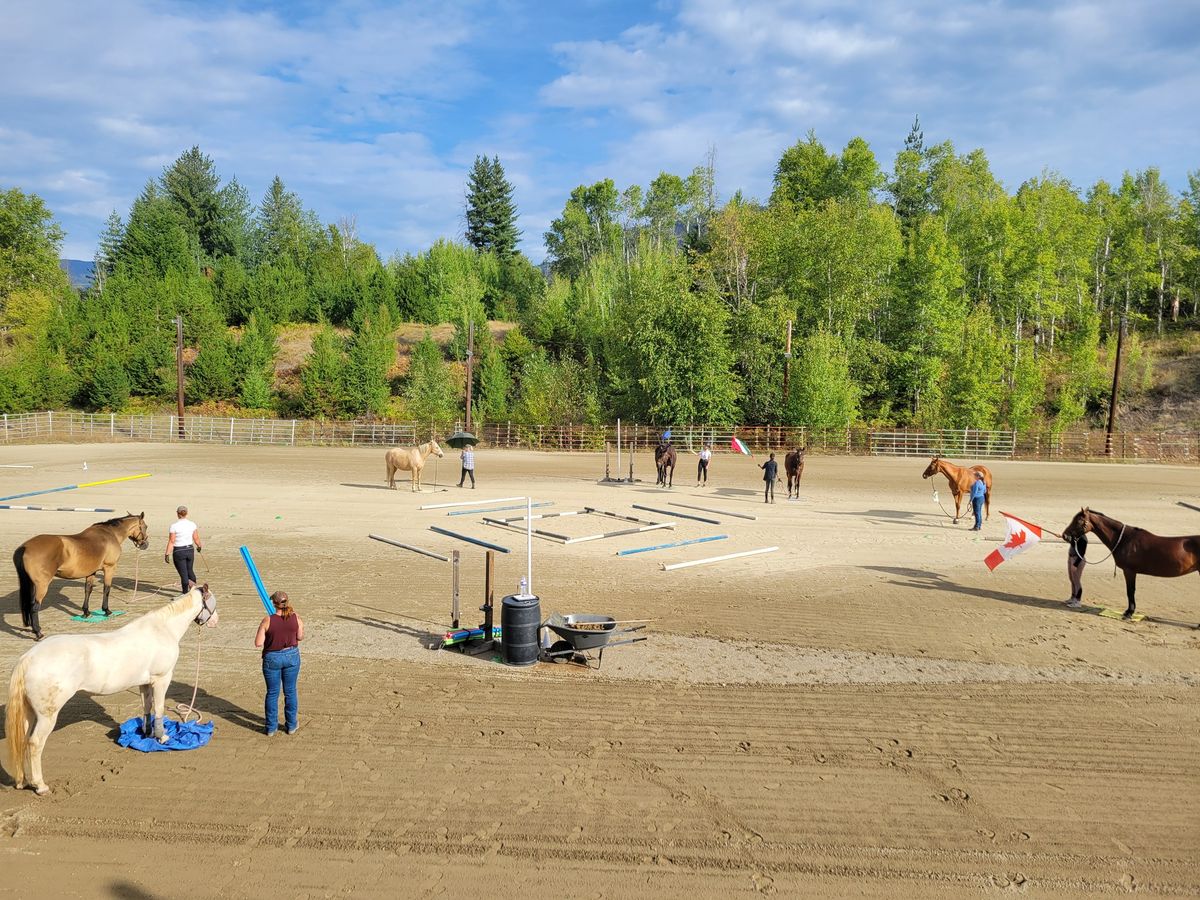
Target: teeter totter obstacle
{"points": [[641, 525]]}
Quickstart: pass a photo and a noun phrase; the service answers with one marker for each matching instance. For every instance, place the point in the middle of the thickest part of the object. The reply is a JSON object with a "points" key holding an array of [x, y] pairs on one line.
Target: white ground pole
{"points": [[471, 503], [713, 559], [618, 449], [529, 546]]}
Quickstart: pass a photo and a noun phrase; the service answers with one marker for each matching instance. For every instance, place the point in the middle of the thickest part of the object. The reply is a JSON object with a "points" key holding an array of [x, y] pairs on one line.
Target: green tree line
{"points": [[925, 295]]}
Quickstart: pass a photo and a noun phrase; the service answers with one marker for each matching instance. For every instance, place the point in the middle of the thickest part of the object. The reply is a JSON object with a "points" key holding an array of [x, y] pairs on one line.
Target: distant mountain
{"points": [[80, 271]]}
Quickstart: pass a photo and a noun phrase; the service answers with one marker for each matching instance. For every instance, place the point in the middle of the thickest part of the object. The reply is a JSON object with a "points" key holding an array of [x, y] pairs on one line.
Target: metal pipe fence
{"points": [[67, 426]]}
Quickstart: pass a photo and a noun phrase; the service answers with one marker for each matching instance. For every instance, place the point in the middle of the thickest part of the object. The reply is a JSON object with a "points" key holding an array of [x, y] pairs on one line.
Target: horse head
{"points": [[208, 607], [932, 468], [435, 449], [1080, 525], [139, 534]]}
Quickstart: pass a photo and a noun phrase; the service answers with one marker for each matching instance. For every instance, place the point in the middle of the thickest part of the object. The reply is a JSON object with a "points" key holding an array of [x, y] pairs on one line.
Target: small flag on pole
{"points": [[737, 446], [1021, 536]]}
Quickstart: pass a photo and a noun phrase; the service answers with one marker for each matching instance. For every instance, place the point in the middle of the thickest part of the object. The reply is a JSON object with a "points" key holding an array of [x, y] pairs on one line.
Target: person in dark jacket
{"points": [[1075, 564], [770, 476], [279, 635]]}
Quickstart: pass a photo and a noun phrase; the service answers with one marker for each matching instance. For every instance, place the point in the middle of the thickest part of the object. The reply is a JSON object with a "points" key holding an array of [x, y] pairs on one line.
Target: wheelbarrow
{"points": [[581, 633]]}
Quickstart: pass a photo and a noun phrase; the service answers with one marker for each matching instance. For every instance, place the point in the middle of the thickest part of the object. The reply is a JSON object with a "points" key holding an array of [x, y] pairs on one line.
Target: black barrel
{"points": [[520, 621]]}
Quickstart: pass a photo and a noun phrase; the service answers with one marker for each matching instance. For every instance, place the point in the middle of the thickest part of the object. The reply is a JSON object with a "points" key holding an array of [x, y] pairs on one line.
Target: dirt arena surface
{"points": [[867, 712]]}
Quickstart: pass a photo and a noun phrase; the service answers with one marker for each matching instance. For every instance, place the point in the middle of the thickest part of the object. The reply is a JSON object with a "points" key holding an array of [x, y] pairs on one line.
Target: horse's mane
{"points": [[117, 521], [172, 608]]}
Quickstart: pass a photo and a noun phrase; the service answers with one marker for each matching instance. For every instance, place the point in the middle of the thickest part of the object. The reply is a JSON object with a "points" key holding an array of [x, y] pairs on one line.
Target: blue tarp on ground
{"points": [[180, 735]]}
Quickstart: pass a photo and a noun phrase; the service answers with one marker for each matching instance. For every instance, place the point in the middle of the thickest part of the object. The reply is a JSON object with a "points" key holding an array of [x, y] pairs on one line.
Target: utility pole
{"points": [[787, 360], [179, 373], [470, 369], [1116, 386]]}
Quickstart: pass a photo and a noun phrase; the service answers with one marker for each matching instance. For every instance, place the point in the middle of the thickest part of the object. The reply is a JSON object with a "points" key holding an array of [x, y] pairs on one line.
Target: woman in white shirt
{"points": [[183, 540], [702, 468]]}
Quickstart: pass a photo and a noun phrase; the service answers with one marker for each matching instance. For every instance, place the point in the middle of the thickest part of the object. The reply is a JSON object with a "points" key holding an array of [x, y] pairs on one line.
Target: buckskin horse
{"points": [[410, 459], [141, 654], [793, 464], [1136, 551], [961, 478], [45, 557], [664, 460]]}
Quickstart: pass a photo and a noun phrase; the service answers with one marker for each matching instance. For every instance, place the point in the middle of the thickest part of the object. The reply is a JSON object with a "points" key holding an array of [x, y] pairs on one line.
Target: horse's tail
{"points": [[26, 584], [16, 721]]}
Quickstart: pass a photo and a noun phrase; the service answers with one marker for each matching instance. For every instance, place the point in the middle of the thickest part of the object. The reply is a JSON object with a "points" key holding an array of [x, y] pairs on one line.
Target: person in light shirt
{"points": [[702, 466], [183, 542], [468, 466]]}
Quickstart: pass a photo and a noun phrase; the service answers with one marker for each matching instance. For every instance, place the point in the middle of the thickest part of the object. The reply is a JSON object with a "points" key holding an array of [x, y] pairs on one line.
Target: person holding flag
{"points": [[770, 476], [1076, 560]]}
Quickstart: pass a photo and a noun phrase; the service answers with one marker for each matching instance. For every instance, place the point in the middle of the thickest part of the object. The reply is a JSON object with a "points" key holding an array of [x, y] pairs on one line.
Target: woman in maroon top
{"points": [[279, 635]]}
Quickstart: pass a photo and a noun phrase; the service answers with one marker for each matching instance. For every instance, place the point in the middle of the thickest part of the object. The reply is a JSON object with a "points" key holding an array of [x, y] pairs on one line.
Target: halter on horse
{"points": [[961, 478], [142, 654], [409, 459], [45, 557], [1136, 551]]}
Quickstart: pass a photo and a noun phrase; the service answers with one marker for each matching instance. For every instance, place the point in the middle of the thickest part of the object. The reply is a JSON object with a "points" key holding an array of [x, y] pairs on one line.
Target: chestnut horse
{"points": [[409, 459], [664, 460], [961, 478], [1136, 551], [43, 558], [793, 464]]}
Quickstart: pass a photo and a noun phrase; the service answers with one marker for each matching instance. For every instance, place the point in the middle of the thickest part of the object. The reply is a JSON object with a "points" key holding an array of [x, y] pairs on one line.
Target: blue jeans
{"points": [[281, 666], [977, 503]]}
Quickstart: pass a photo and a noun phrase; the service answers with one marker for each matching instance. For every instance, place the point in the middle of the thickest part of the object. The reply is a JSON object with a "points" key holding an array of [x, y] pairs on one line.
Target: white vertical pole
{"points": [[529, 545], [618, 448]]}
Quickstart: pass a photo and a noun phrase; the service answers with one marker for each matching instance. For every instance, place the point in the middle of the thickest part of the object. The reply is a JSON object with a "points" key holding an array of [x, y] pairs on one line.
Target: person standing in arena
{"points": [[183, 543]]}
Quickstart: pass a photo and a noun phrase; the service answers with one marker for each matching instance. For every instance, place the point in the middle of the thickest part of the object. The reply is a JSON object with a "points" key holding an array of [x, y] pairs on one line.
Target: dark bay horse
{"points": [[793, 464], [664, 461], [1136, 551], [961, 478], [43, 558]]}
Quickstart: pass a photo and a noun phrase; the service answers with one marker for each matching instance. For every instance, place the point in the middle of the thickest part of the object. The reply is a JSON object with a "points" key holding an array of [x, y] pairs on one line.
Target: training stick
{"points": [[256, 578]]}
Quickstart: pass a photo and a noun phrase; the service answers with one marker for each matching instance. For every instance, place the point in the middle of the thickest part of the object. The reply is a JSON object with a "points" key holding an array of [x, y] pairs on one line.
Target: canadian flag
{"points": [[1021, 536]]}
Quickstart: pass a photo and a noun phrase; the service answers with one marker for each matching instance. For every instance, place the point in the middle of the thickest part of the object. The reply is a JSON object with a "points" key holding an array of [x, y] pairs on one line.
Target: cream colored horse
{"points": [[409, 459], [141, 654]]}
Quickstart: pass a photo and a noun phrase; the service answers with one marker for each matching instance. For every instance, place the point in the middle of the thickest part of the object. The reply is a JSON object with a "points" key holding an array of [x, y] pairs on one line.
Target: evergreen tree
{"points": [[107, 248], [256, 390], [212, 375], [322, 380], [493, 385], [370, 357], [491, 214], [431, 393]]}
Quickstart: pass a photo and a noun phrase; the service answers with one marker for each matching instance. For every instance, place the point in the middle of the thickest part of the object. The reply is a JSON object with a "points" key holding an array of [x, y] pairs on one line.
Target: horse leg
{"points": [[147, 710], [108, 577], [37, 743], [957, 501], [159, 687], [1130, 588], [89, 583]]}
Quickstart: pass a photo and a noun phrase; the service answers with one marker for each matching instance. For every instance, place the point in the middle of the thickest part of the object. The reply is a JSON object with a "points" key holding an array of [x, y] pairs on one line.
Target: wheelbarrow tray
{"points": [[583, 632]]}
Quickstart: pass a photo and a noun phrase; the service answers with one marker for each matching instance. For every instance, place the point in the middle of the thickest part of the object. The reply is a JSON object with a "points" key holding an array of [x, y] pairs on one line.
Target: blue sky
{"points": [[375, 110]]}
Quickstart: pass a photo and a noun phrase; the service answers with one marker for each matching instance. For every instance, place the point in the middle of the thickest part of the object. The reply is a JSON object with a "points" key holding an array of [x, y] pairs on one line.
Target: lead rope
{"points": [[186, 710], [1075, 550]]}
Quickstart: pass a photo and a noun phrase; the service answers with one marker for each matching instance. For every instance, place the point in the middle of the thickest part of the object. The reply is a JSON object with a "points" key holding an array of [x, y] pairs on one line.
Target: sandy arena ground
{"points": [[867, 712]]}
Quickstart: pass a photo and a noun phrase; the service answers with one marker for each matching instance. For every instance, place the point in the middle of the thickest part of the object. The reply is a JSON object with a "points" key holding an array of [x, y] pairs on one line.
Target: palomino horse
{"points": [[793, 464], [1136, 551], [142, 654], [961, 478], [664, 460], [409, 459], [41, 559]]}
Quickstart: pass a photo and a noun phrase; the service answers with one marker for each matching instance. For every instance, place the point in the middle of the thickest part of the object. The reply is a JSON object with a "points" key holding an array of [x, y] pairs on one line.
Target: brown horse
{"points": [[665, 458], [45, 557], [1136, 551], [410, 459], [793, 464], [961, 478]]}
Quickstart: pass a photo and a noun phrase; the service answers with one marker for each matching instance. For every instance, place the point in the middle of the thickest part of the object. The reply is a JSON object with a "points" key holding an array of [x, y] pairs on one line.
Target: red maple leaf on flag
{"points": [[1016, 540]]}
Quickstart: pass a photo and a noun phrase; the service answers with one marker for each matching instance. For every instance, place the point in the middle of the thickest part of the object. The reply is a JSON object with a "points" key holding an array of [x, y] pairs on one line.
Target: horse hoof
{"points": [[43, 790], [107, 612], [1128, 615], [37, 635]]}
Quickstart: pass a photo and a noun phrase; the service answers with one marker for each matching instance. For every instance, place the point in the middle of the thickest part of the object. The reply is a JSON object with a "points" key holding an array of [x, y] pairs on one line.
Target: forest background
{"points": [[924, 296]]}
